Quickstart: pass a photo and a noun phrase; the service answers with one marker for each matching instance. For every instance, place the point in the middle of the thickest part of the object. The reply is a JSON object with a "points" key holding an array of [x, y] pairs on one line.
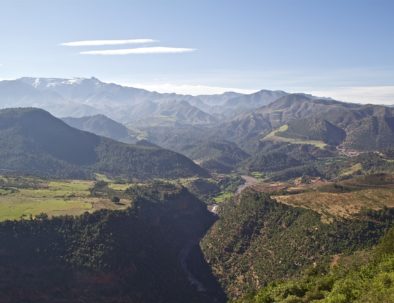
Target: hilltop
{"points": [[101, 125], [35, 142]]}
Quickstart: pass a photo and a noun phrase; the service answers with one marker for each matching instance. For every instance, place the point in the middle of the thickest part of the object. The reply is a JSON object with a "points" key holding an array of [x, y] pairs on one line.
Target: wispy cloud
{"points": [[107, 42], [140, 50]]}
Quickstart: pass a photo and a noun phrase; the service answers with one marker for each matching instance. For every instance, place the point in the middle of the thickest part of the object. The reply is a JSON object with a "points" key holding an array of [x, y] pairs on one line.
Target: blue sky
{"points": [[338, 48]]}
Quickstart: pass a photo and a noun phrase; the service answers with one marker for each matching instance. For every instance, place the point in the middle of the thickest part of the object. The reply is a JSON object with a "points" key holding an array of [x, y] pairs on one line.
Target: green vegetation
{"points": [[124, 256], [374, 162], [102, 126], [257, 240], [23, 198], [35, 143], [362, 277], [274, 133], [372, 133], [204, 189], [273, 161], [314, 129], [101, 177], [352, 170], [257, 175], [223, 196], [26, 197], [228, 185], [217, 189], [302, 119], [119, 186], [11, 210], [220, 157], [111, 222], [282, 162], [278, 135]]}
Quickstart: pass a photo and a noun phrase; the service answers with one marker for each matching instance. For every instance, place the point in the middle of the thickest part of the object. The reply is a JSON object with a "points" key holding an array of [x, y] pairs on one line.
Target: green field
{"points": [[275, 136], [22, 199], [257, 175], [119, 186], [223, 196]]}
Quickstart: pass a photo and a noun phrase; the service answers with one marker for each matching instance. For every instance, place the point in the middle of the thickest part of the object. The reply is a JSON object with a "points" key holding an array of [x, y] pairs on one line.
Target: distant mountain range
{"points": [[323, 126], [220, 132], [132, 106]]}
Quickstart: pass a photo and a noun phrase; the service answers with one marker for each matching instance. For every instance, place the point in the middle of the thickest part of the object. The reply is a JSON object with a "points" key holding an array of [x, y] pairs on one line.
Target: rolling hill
{"points": [[251, 123], [219, 156], [314, 129], [243, 103], [297, 132], [258, 240], [362, 127], [35, 142], [102, 126], [168, 113], [360, 277]]}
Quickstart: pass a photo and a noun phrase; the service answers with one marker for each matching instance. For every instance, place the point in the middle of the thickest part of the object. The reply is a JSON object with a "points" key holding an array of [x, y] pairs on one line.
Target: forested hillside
{"points": [[108, 256], [365, 276], [102, 126], [258, 240], [34, 142], [196, 151]]}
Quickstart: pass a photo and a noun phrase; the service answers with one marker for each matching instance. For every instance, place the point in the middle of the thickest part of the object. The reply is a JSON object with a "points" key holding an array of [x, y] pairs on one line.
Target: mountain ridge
{"points": [[35, 142], [101, 125], [89, 96]]}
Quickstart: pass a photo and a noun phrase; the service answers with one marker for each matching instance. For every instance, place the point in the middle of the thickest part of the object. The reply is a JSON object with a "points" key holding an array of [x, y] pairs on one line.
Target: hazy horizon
{"points": [[207, 47], [199, 90]]}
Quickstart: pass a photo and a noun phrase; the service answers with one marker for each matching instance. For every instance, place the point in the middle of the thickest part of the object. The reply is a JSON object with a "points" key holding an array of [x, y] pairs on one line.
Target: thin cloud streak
{"points": [[140, 50], [107, 42]]}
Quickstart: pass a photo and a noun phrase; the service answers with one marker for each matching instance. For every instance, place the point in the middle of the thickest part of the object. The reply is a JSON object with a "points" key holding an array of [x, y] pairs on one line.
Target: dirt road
{"points": [[249, 181]]}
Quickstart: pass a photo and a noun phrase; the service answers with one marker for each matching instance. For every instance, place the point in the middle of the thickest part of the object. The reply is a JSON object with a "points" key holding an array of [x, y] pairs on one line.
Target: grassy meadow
{"points": [[222, 197], [22, 198]]}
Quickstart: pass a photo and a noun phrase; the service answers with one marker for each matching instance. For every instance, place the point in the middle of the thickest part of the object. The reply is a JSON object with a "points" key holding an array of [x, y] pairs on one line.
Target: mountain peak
{"points": [[44, 83]]}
